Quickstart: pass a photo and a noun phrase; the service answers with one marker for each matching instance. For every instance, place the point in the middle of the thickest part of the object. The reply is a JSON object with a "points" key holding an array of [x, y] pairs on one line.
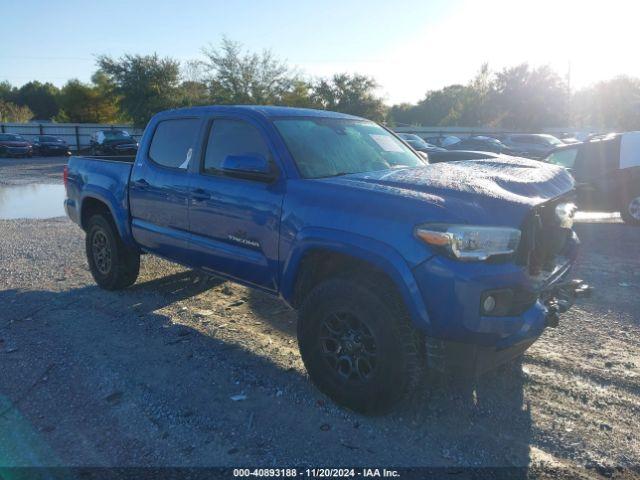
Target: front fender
{"points": [[371, 251]]}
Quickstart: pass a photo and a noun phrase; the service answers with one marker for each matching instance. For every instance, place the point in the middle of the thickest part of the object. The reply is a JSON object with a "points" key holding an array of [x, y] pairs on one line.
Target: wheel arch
{"points": [[96, 201], [332, 252]]}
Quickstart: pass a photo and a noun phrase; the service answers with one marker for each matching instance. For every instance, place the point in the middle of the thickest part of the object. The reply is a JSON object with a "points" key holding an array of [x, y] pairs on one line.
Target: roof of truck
{"points": [[263, 110]]}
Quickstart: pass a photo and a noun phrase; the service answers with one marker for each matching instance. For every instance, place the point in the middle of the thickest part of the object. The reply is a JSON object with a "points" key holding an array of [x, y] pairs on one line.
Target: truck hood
{"points": [[488, 191]]}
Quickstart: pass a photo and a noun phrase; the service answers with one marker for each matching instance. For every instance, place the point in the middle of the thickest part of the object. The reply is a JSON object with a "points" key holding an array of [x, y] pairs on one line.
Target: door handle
{"points": [[141, 184], [200, 195]]}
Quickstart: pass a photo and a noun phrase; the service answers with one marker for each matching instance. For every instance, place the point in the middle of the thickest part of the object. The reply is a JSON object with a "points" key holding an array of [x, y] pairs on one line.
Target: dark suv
{"points": [[113, 142], [50, 145], [607, 173], [482, 143]]}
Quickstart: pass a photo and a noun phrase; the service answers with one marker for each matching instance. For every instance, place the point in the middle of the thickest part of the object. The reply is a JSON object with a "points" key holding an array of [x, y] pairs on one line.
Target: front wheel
{"points": [[357, 344], [112, 264], [630, 210]]}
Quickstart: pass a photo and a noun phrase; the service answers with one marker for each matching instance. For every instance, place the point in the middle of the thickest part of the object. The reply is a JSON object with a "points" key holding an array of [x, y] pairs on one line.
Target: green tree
{"points": [[10, 112], [300, 95], [529, 98], [454, 105], [193, 93], [353, 94], [7, 91], [41, 98], [145, 84], [439, 107], [235, 76], [612, 104], [84, 103]]}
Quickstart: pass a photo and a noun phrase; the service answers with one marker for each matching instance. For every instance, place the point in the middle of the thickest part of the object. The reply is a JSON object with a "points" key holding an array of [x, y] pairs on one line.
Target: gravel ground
{"points": [[184, 370]]}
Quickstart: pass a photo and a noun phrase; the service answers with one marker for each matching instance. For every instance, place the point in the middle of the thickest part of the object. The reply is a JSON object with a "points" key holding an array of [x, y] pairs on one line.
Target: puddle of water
{"points": [[32, 201]]}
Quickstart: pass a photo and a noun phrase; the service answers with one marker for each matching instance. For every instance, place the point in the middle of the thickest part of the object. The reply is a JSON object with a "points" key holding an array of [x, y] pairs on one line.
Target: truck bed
{"points": [[103, 178]]}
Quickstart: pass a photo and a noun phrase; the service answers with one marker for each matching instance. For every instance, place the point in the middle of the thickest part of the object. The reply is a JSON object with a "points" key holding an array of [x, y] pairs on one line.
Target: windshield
{"points": [[10, 137], [50, 139], [117, 135], [324, 147], [563, 158]]}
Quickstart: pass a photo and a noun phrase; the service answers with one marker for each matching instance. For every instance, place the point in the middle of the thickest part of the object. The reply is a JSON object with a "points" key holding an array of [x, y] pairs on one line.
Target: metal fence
{"points": [[77, 135]]}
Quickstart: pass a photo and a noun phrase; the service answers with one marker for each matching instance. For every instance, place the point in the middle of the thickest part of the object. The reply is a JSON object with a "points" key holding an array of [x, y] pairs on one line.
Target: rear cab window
{"points": [[173, 142]]}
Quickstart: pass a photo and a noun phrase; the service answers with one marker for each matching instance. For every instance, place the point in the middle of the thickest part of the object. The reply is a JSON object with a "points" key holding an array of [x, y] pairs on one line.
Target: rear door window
{"points": [[173, 142]]}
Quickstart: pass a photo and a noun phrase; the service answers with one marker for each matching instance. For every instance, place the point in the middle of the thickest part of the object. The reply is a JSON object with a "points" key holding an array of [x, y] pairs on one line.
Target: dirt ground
{"points": [[184, 370]]}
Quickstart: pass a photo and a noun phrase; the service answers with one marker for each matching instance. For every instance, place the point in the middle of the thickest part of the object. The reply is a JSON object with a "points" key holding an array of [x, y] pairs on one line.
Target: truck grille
{"points": [[543, 239]]}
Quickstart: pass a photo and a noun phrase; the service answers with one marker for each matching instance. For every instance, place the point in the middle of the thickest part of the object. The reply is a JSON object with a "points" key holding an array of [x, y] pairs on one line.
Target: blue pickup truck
{"points": [[393, 264]]}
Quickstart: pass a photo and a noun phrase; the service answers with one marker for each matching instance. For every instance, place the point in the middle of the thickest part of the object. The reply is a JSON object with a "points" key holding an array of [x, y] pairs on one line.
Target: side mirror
{"points": [[251, 166]]}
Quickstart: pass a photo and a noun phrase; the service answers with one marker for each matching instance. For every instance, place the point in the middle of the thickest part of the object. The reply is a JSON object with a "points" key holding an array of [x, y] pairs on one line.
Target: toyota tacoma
{"points": [[394, 265]]}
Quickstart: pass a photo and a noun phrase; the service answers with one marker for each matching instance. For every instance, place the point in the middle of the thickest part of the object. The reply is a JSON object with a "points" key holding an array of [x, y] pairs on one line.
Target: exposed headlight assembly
{"points": [[565, 213], [470, 242]]}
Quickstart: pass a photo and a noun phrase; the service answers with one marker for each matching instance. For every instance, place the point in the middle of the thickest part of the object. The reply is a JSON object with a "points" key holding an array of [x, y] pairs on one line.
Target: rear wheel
{"points": [[113, 265], [357, 344], [630, 210]]}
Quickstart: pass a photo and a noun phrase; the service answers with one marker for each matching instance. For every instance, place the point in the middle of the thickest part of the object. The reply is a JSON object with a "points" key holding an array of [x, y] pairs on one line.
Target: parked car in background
{"points": [[457, 155], [112, 142], [599, 136], [567, 137], [534, 145], [607, 173], [442, 140], [50, 145], [419, 144], [14, 145], [482, 143]]}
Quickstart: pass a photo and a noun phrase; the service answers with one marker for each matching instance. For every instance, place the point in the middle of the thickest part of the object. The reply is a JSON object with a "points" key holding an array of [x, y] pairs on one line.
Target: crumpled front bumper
{"points": [[461, 337]]}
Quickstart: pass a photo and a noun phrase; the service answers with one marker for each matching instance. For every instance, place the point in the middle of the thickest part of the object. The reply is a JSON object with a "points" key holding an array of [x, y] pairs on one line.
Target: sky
{"points": [[408, 46]]}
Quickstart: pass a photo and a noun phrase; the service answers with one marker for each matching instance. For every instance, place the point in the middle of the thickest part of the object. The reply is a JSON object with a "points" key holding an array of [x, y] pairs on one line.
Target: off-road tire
{"points": [[400, 356], [633, 202], [123, 265]]}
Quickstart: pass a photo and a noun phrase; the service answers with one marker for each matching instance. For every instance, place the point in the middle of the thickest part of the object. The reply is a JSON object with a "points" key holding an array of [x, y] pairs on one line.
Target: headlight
{"points": [[469, 242]]}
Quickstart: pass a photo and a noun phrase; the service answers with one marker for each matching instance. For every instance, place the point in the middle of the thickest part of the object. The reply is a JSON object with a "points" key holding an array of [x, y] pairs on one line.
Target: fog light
{"points": [[489, 304]]}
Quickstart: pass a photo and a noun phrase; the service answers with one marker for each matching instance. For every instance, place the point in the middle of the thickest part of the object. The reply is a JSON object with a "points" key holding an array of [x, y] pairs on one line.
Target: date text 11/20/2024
{"points": [[316, 472]]}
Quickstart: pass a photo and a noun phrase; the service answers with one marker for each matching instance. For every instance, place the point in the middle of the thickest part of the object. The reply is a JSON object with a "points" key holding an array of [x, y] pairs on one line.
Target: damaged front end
{"points": [[488, 313], [560, 297], [548, 250]]}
